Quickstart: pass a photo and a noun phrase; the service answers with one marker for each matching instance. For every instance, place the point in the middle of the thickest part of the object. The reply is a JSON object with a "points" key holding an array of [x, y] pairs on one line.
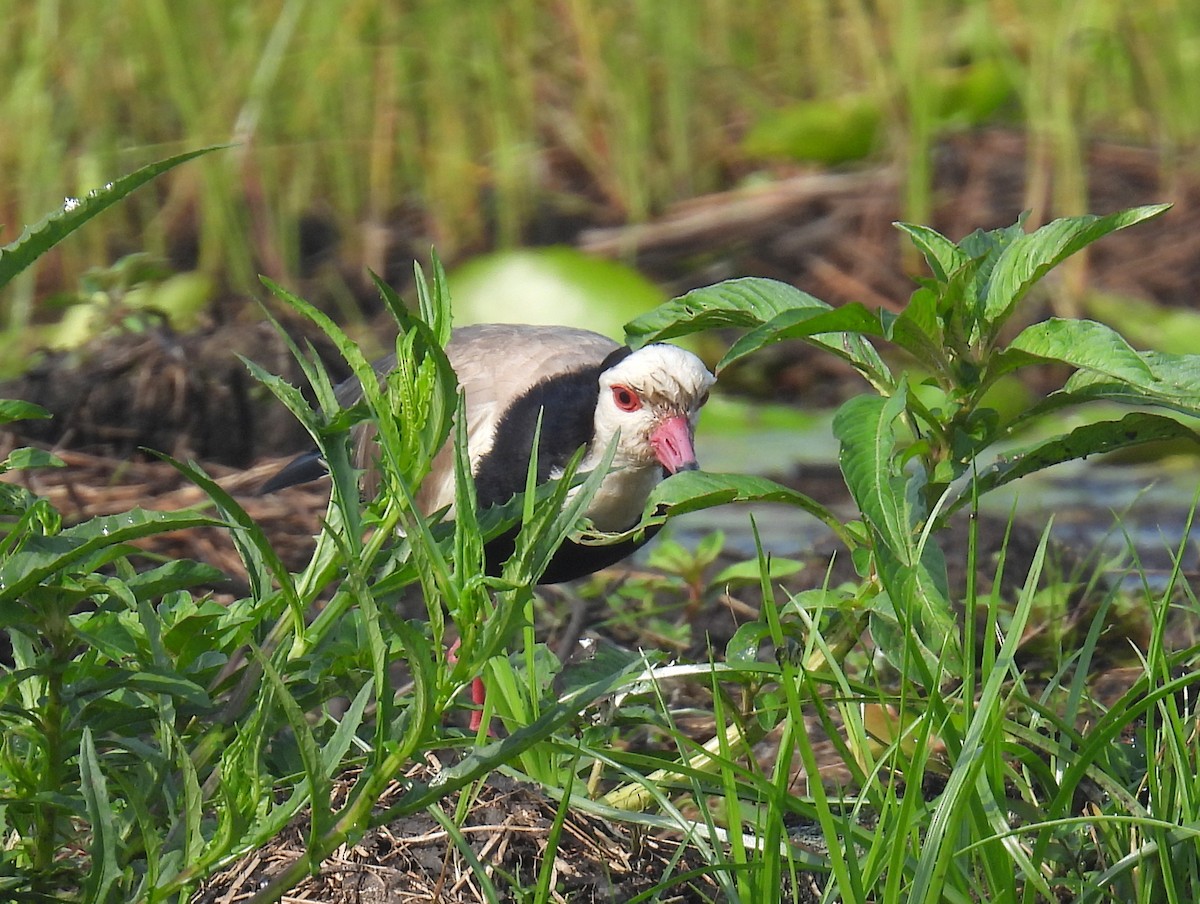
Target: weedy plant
{"points": [[152, 735], [910, 459]]}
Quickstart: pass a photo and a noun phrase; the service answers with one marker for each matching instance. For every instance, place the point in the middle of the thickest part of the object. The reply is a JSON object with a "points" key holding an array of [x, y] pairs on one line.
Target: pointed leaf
{"points": [[692, 491], [749, 303], [1090, 439], [913, 572], [1080, 343], [917, 329], [27, 458], [1173, 382], [42, 236], [1032, 256], [942, 255], [17, 410], [864, 428], [104, 867], [41, 557], [802, 323], [255, 549]]}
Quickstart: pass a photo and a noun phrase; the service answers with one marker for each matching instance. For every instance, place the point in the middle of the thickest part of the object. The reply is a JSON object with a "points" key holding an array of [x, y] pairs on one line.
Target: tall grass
{"points": [[475, 112]]}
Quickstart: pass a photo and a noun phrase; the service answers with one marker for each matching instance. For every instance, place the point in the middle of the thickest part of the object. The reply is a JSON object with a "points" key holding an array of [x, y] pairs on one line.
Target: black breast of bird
{"points": [[589, 392]]}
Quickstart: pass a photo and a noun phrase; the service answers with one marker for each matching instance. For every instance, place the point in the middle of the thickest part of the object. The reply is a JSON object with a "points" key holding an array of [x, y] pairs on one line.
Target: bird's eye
{"points": [[626, 399], [703, 400]]}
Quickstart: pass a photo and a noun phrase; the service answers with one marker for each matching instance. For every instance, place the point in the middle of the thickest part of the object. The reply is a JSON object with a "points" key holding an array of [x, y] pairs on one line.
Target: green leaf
{"points": [[27, 458], [917, 329], [261, 560], [147, 682], [942, 255], [692, 491], [41, 557], [1134, 429], [802, 323], [828, 131], [1032, 256], [1080, 343], [742, 649], [1173, 382], [745, 572], [103, 850], [749, 302], [178, 574], [17, 410], [911, 568], [39, 238], [863, 427]]}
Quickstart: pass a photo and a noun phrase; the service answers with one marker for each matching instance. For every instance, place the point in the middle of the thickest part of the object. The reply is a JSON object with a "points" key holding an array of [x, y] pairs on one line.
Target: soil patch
{"points": [[507, 829]]}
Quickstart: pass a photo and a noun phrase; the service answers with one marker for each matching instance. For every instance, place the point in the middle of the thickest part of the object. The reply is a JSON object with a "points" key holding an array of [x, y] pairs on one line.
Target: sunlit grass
{"points": [[354, 109]]}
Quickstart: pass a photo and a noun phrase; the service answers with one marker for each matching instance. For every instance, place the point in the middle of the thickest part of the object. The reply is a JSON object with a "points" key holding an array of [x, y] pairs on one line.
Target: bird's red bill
{"points": [[672, 442]]}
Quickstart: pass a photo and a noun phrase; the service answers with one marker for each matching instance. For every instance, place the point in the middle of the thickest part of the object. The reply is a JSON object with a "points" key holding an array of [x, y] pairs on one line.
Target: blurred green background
{"points": [[365, 132]]}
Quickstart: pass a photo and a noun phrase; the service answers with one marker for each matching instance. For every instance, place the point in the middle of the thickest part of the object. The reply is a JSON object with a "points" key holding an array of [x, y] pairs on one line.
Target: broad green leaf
{"points": [[823, 130], [1032, 256], [178, 574], [898, 640], [942, 255], [17, 410], [26, 458], [691, 491], [803, 323], [40, 557], [917, 330], [749, 303], [42, 236], [864, 428], [1173, 383], [984, 243], [913, 573], [1080, 343], [743, 572], [1090, 439], [962, 300]]}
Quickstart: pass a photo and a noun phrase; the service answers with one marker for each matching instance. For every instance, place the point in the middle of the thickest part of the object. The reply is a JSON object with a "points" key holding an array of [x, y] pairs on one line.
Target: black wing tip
{"points": [[301, 469]]}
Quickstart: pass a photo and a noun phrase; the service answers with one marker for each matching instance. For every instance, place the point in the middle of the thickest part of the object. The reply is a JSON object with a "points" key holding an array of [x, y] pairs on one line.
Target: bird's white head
{"points": [[651, 399]]}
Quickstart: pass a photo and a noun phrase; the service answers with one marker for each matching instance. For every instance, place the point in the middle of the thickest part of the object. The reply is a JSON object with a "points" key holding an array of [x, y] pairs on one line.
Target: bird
{"points": [[588, 390]]}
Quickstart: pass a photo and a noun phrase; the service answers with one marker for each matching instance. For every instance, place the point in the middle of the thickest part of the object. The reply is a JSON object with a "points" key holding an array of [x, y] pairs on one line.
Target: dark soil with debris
{"points": [[830, 234], [507, 829]]}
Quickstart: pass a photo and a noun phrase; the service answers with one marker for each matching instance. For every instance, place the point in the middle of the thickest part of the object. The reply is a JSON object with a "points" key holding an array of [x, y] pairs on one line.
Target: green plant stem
{"points": [[46, 845]]}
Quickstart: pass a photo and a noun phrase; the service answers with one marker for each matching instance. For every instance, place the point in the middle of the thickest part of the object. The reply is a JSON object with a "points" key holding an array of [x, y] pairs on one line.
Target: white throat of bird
{"points": [[649, 402]]}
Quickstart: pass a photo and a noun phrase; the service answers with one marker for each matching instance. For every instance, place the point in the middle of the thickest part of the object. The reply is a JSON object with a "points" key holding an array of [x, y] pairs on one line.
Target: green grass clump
{"points": [[150, 736]]}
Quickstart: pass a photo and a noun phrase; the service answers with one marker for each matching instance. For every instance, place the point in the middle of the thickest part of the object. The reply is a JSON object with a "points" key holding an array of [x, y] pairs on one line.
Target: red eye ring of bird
{"points": [[625, 398]]}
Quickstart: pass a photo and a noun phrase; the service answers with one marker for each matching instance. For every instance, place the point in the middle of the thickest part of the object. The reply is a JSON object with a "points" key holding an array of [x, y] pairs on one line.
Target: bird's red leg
{"points": [[478, 691], [478, 695]]}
